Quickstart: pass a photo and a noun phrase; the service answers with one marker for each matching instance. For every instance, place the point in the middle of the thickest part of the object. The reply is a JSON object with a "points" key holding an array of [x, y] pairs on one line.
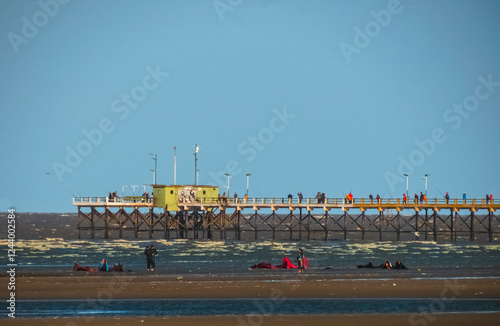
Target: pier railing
{"points": [[116, 200], [284, 201]]}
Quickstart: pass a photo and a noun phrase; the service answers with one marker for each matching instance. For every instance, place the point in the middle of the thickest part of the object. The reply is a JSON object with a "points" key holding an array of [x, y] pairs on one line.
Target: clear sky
{"points": [[330, 96]]}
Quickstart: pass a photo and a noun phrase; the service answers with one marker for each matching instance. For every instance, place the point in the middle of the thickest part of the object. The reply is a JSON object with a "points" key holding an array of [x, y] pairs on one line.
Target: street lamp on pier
{"points": [[248, 181], [406, 175], [228, 178], [155, 158], [425, 178]]}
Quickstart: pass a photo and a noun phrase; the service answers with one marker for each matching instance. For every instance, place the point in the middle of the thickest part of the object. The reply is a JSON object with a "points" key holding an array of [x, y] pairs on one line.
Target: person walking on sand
{"points": [[300, 260]]}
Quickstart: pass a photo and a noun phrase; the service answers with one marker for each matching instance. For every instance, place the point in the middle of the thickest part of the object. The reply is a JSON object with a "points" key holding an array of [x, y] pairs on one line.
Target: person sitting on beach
{"points": [[386, 265], [300, 260]]}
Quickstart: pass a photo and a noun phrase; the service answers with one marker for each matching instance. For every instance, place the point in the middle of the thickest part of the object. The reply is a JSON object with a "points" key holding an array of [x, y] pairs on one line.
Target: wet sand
{"points": [[283, 320], [290, 285]]}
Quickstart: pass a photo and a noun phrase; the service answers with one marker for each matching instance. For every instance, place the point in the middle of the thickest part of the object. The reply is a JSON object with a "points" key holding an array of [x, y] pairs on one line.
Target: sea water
{"points": [[206, 307], [208, 256]]}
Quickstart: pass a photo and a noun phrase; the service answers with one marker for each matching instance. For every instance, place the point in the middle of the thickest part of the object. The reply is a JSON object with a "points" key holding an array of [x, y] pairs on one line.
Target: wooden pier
{"points": [[289, 219]]}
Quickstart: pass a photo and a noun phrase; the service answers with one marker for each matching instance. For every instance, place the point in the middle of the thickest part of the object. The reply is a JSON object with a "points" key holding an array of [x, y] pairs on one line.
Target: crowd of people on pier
{"points": [[112, 196], [349, 198]]}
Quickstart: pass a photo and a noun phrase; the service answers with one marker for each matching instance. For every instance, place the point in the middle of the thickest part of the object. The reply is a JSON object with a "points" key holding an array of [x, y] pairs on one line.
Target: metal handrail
{"points": [[285, 201]]}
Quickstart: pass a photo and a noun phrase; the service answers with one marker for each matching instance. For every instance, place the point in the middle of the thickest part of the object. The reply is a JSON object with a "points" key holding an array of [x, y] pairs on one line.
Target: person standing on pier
{"points": [[378, 198], [416, 199], [404, 198], [487, 199], [491, 198], [371, 198], [464, 196], [447, 197], [300, 197], [421, 198]]}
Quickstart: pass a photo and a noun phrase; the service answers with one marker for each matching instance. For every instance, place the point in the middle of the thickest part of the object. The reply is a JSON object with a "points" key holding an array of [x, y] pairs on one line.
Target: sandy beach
{"points": [[265, 285], [122, 286]]}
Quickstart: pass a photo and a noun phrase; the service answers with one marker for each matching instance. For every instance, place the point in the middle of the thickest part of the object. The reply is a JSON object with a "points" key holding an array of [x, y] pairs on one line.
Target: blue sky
{"points": [[330, 96]]}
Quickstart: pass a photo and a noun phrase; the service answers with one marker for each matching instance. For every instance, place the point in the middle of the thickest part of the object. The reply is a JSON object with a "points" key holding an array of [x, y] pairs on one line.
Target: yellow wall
{"points": [[171, 196]]}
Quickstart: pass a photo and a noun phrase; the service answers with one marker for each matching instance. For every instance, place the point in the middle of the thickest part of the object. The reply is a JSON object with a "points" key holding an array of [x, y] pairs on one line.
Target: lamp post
{"points": [[155, 158], [406, 175], [175, 165], [425, 178], [196, 148], [248, 181], [228, 178]]}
